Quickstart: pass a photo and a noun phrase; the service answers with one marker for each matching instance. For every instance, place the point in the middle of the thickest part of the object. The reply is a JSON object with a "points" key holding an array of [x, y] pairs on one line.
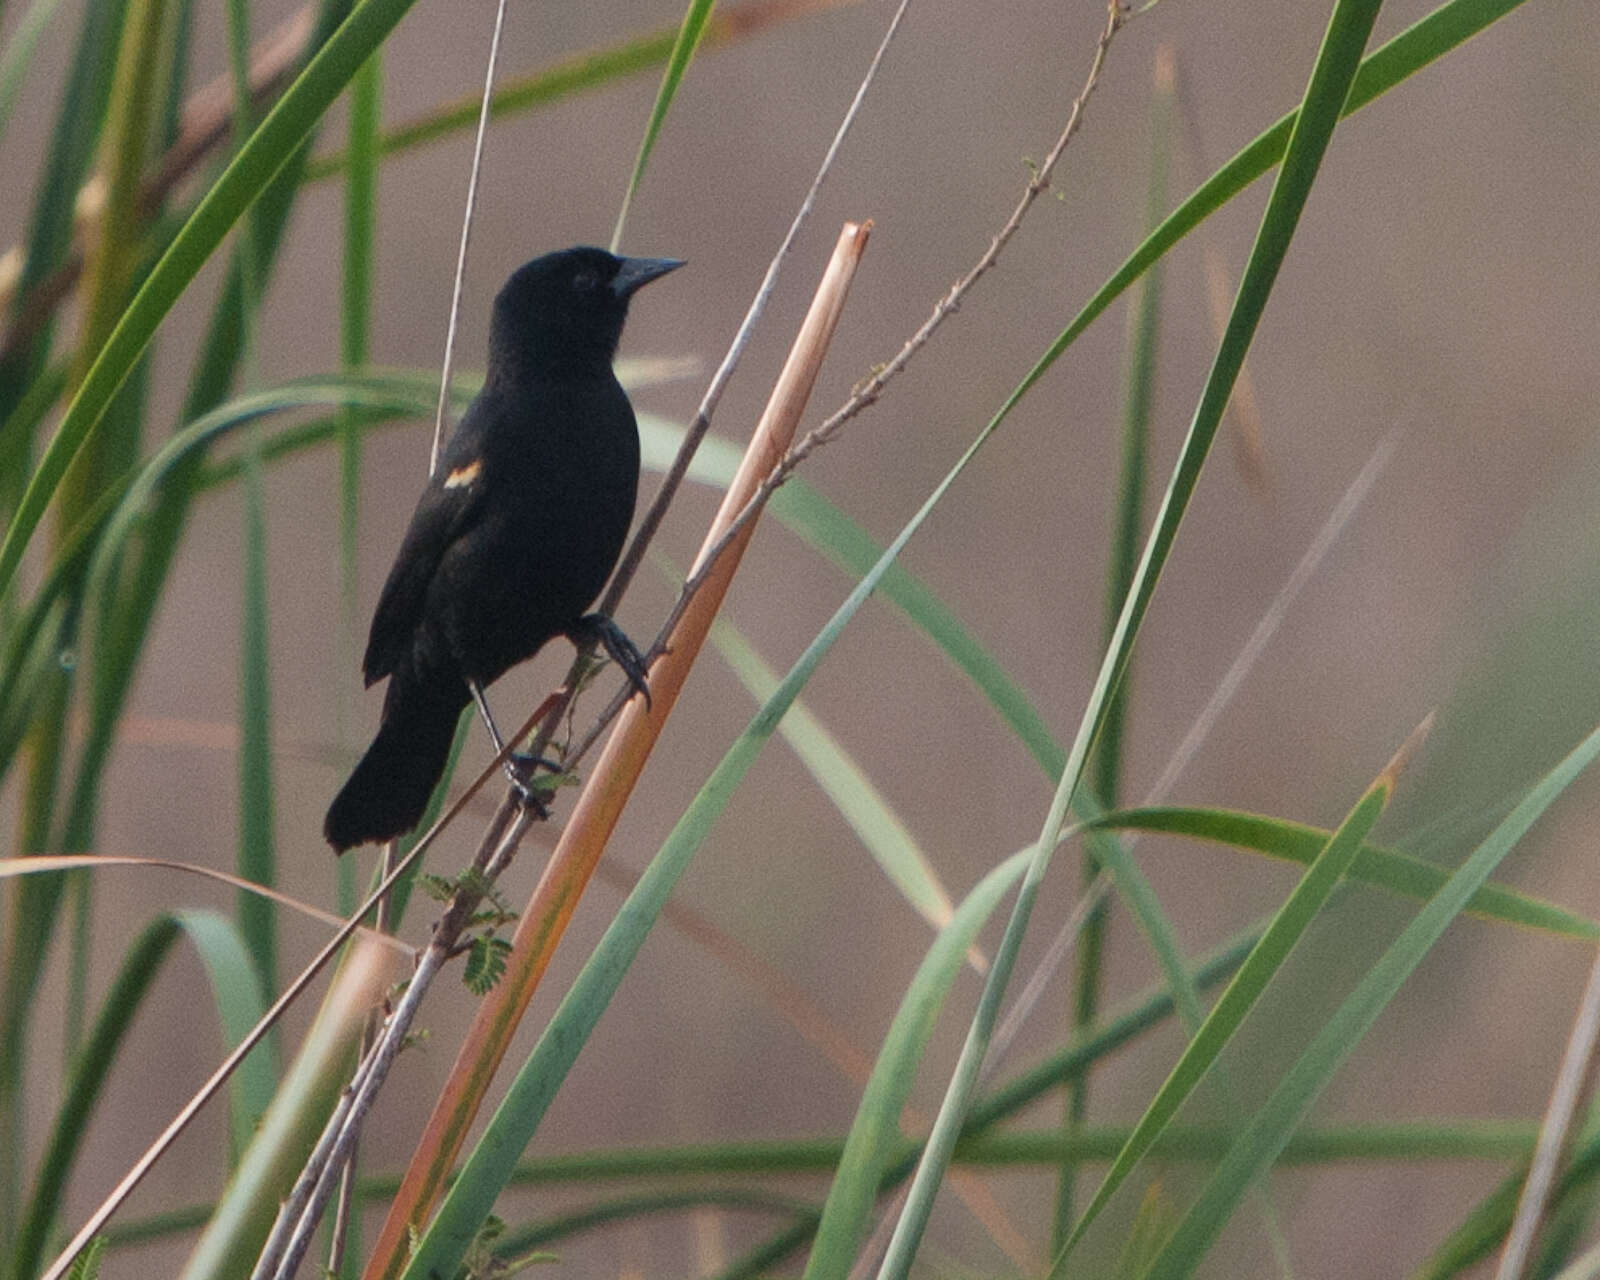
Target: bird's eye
{"points": [[585, 281]]}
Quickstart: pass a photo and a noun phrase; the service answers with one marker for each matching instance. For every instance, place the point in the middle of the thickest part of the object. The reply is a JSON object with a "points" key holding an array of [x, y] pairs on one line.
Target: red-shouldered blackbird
{"points": [[515, 535]]}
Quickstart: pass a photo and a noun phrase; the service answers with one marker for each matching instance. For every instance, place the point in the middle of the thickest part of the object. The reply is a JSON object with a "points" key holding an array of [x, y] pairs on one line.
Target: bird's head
{"points": [[566, 309]]}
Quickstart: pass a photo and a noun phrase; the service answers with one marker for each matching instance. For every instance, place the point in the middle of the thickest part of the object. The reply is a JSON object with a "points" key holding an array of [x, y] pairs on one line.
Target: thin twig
{"points": [[1332, 530], [466, 239], [633, 557], [302, 1210], [339, 1165], [258, 1032], [1043, 977], [601, 803], [868, 391], [317, 1178], [344, 1206]]}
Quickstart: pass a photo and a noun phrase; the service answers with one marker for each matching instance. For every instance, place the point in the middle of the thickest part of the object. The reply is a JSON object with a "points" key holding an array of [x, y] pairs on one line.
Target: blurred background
{"points": [[1441, 292]]}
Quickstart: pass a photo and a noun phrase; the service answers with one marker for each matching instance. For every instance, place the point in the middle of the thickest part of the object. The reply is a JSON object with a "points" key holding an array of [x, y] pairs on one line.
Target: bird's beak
{"points": [[635, 273]]}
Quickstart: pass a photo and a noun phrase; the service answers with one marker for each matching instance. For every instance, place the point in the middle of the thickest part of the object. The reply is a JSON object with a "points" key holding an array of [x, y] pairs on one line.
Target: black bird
{"points": [[515, 535]]}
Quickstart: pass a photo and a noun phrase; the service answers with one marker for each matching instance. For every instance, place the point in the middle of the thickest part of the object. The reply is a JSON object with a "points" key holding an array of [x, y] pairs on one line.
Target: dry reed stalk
{"points": [[611, 782]]}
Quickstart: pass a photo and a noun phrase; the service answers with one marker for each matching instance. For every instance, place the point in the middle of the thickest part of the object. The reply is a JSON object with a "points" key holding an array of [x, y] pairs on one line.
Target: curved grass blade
{"points": [[1447, 27], [1336, 64], [519, 1240], [262, 155], [232, 970], [690, 30], [1382, 867], [45, 863], [233, 987], [879, 828], [311, 1087], [1255, 1149], [469, 1202], [1228, 1014], [875, 1136], [577, 74]]}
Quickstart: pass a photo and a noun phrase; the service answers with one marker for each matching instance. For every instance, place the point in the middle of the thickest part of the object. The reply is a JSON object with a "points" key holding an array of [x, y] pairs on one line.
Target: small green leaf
{"points": [[486, 963]]}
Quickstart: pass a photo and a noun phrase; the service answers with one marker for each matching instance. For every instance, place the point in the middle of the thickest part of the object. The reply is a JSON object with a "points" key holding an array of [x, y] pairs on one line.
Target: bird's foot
{"points": [[604, 631], [536, 793]]}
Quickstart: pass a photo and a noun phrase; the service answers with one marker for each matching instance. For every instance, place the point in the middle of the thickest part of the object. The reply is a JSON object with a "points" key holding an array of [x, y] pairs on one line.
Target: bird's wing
{"points": [[448, 508]]}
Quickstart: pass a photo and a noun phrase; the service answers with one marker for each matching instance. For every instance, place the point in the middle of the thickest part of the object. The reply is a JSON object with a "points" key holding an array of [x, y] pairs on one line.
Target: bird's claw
{"points": [[621, 650], [520, 768]]}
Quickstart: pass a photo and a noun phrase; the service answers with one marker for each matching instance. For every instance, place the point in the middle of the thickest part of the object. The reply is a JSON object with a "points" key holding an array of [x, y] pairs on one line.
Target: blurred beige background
{"points": [[1443, 282]]}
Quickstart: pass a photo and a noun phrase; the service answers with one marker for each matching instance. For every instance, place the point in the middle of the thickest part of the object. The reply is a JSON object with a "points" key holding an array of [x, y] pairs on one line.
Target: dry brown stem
{"points": [[610, 784]]}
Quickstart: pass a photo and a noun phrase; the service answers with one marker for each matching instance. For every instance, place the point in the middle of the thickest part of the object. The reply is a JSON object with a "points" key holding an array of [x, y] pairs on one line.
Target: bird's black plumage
{"points": [[515, 535]]}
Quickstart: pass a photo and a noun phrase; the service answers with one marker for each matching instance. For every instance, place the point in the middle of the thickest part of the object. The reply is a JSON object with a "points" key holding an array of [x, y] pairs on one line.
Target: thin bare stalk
{"points": [[1222, 696], [319, 1179], [633, 557], [599, 806], [1572, 1081], [868, 391], [466, 238], [268, 1020], [1044, 975]]}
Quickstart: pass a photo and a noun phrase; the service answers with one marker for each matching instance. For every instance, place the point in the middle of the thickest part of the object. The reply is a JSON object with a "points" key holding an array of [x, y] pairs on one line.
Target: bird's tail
{"points": [[386, 795]]}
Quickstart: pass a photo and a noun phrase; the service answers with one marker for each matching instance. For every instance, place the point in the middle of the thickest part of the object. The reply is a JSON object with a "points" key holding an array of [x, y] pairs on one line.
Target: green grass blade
{"points": [[690, 30], [875, 1136], [1377, 865], [238, 1003], [1254, 1150], [469, 1202], [19, 54], [1127, 525], [879, 828], [1446, 28], [73, 138], [1143, 337], [1484, 1228], [174, 73], [257, 858], [231, 970], [1228, 1014], [578, 73], [604, 1213], [139, 969], [1336, 64], [355, 326], [262, 155], [299, 1108], [18, 430]]}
